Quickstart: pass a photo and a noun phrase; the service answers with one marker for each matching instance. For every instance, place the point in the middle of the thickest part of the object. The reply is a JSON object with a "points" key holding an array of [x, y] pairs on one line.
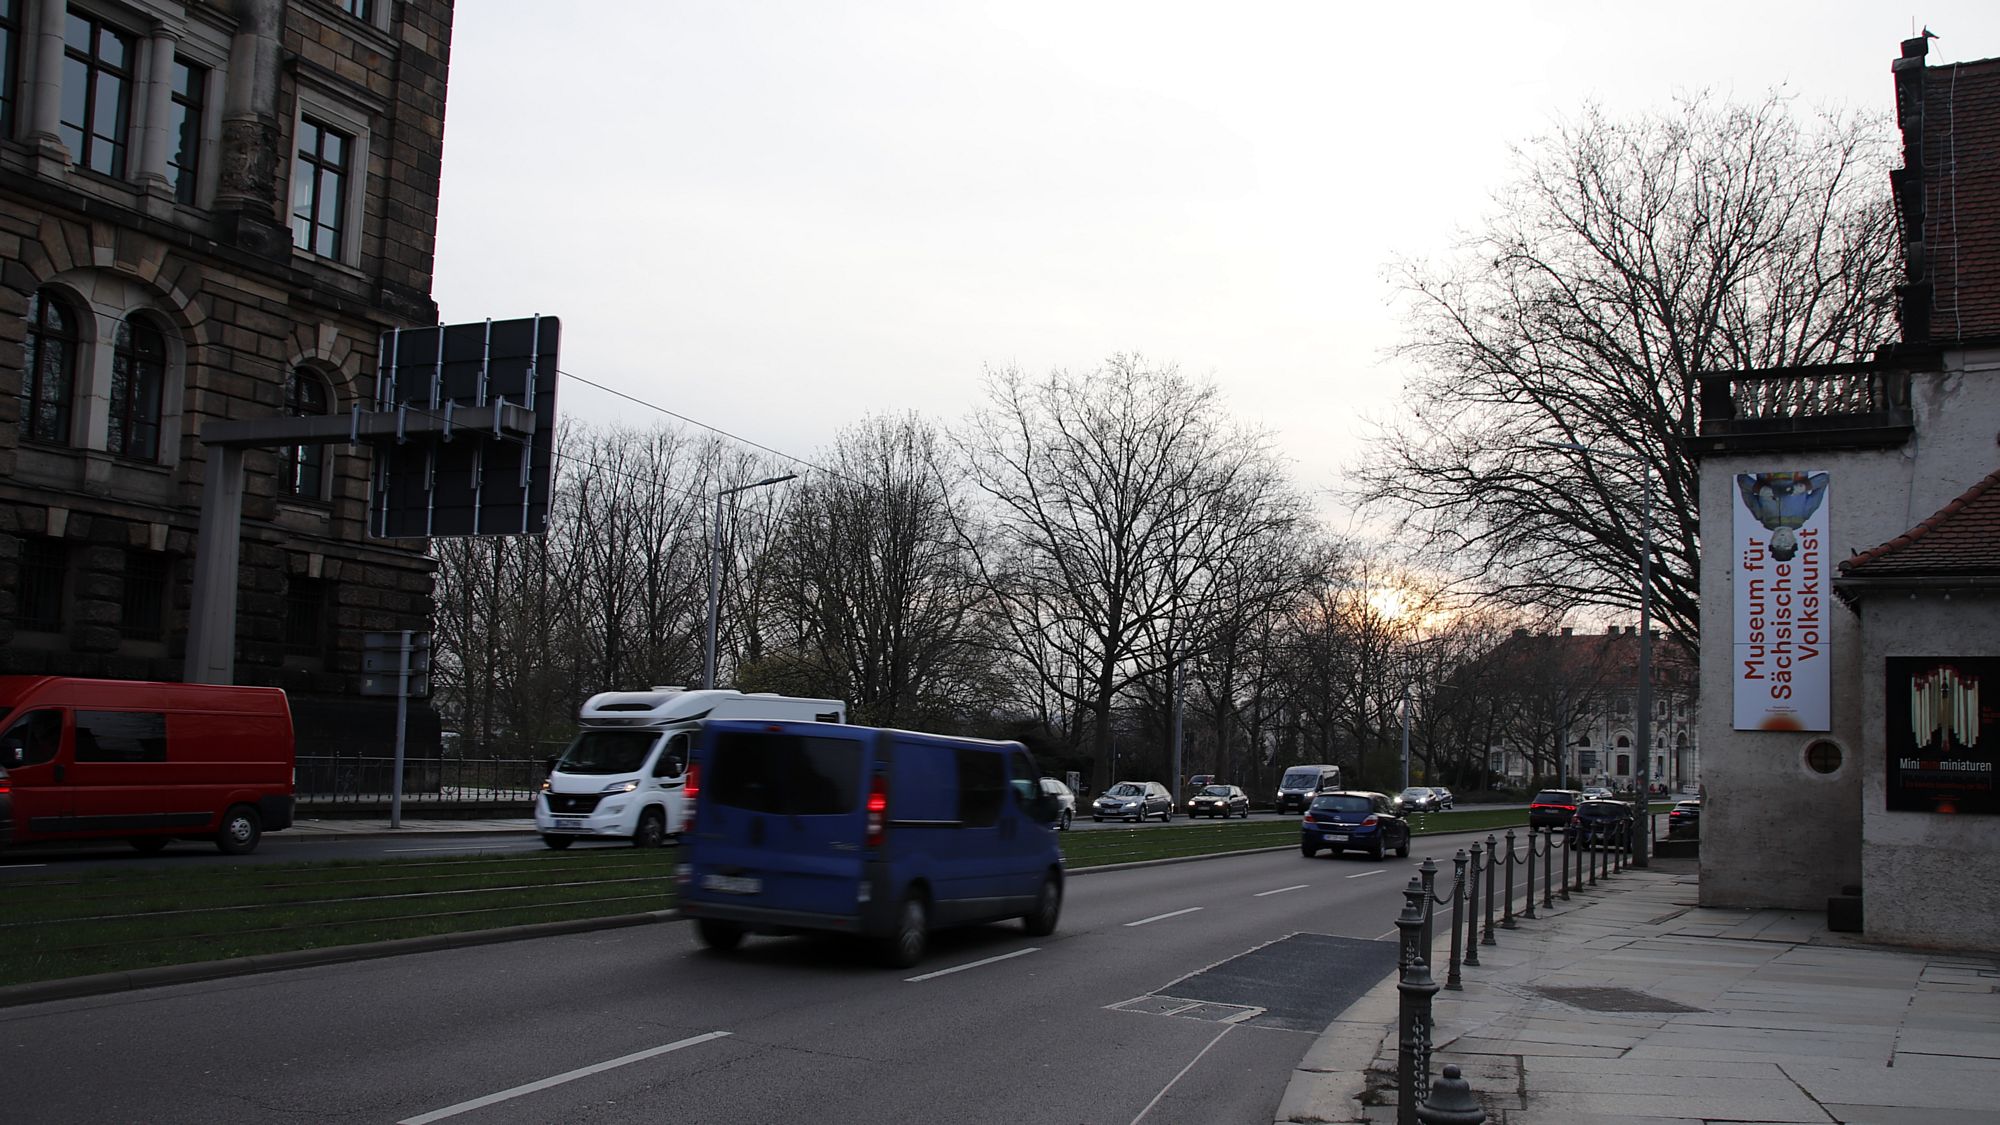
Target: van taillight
{"points": [[878, 811], [690, 789]]}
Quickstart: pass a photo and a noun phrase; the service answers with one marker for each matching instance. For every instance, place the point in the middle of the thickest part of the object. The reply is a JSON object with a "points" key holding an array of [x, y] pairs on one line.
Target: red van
{"points": [[145, 762]]}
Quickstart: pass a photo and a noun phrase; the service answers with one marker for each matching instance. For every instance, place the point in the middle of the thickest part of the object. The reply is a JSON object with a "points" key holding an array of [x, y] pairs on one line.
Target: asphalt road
{"points": [[1179, 993]]}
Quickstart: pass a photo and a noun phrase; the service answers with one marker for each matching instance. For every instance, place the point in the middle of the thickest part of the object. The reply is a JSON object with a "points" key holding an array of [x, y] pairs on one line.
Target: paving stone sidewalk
{"points": [[1630, 1004]]}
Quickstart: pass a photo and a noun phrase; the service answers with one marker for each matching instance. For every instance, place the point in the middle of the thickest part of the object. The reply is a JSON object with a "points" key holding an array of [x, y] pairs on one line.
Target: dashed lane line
{"points": [[1162, 917], [973, 964], [568, 1076]]}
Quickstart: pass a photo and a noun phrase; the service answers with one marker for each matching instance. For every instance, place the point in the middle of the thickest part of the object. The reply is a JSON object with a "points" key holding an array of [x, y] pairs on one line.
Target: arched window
{"points": [[48, 369], [138, 371], [302, 469]]}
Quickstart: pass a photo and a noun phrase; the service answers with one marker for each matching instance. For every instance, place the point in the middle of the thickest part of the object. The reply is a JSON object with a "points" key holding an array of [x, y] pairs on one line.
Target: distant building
{"points": [[1573, 704], [208, 210], [1850, 587]]}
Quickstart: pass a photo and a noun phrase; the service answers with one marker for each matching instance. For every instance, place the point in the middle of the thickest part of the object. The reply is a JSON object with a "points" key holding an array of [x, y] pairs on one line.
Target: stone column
{"points": [[157, 95], [246, 198], [45, 92]]}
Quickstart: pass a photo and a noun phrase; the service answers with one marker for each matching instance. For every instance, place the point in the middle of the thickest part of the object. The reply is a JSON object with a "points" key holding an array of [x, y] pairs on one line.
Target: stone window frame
{"points": [[78, 342], [131, 409], [374, 13], [327, 110], [187, 179], [13, 29], [43, 569], [292, 457], [102, 301]]}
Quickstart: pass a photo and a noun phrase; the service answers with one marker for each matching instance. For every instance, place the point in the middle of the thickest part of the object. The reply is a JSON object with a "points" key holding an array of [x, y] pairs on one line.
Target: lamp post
{"points": [[1642, 820], [715, 571]]}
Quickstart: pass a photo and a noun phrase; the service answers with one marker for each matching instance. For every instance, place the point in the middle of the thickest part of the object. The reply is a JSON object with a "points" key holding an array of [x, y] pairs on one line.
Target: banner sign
{"points": [[1784, 588], [1942, 749]]}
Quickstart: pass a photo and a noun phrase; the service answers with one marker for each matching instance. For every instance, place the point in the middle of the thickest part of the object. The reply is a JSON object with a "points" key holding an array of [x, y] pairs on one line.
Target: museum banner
{"points": [[1783, 587], [1942, 756]]}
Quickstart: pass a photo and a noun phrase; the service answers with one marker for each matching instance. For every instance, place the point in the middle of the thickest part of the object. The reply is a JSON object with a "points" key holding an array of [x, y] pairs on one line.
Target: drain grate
{"points": [[1613, 1000]]}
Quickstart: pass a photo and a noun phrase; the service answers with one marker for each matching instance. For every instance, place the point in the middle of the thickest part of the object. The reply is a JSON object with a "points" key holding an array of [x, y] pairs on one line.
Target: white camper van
{"points": [[624, 777]]}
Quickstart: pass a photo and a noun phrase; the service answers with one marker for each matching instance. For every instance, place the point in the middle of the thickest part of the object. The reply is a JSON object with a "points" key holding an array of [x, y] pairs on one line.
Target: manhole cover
{"points": [[1189, 1009], [1613, 1000]]}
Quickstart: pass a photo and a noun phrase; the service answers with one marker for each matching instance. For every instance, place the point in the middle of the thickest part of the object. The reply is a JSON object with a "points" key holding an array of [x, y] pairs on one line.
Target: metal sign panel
{"points": [[465, 481]]}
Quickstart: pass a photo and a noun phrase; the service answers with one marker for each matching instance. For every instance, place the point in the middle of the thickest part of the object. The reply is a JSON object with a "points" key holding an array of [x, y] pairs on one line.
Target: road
{"points": [[1177, 993]]}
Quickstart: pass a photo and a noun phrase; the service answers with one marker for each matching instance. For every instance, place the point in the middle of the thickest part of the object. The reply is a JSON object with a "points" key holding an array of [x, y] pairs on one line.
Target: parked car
{"points": [[1553, 808], [1195, 785], [1339, 821], [1301, 784], [1443, 796], [1134, 800], [1065, 801], [1417, 798], [1600, 824], [1220, 800], [1685, 818]]}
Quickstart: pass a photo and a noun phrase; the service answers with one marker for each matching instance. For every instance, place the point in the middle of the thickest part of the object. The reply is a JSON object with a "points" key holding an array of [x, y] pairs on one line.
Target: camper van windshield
{"points": [[1301, 779], [608, 751]]}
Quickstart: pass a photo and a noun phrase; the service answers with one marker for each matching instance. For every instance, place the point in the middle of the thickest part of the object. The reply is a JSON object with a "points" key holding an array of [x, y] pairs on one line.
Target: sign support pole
{"points": [[402, 730]]}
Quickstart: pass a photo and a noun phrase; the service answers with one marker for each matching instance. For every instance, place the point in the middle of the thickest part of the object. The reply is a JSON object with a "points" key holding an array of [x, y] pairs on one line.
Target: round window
{"points": [[1823, 757]]}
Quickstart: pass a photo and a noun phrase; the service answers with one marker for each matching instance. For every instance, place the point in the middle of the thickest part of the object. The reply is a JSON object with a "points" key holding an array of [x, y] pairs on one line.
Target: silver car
{"points": [[1065, 800]]}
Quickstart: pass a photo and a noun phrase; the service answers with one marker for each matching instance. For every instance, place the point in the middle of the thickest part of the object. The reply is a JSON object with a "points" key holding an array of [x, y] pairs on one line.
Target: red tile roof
{"points": [[1961, 540], [1961, 154]]}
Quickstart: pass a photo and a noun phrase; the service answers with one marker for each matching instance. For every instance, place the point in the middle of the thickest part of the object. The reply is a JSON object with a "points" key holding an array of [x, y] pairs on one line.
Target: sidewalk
{"points": [[1629, 1004]]}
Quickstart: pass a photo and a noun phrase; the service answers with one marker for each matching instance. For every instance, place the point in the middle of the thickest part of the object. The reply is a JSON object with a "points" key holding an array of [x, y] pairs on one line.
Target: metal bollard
{"points": [[1451, 1102], [1568, 850], [1428, 870], [1491, 846], [1507, 900], [1451, 979], [1528, 907], [1548, 861], [1415, 989], [1471, 909]]}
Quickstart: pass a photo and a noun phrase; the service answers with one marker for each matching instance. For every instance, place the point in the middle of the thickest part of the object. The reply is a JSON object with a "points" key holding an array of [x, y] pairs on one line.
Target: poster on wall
{"points": [[1784, 589], [1942, 745]]}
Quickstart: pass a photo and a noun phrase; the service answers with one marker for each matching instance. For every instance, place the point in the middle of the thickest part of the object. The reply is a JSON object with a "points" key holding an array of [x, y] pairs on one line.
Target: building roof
{"points": [[1952, 168], [1588, 661], [1962, 539]]}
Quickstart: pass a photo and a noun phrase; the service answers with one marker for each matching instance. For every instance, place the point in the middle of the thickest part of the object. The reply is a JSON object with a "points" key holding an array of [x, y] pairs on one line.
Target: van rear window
{"points": [[784, 773]]}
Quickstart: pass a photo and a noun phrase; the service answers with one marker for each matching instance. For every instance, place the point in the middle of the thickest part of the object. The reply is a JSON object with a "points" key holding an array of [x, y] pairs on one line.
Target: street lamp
{"points": [[1642, 822], [715, 570]]}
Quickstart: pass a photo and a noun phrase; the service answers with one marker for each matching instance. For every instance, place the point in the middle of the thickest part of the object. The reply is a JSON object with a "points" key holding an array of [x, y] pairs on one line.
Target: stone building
{"points": [[1580, 690], [208, 210], [1879, 770]]}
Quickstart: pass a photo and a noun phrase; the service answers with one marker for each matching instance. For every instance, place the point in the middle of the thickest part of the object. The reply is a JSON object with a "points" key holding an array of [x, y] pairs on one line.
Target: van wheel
{"points": [[905, 947], [1048, 907], [558, 842], [652, 831], [719, 935], [149, 845], [240, 831]]}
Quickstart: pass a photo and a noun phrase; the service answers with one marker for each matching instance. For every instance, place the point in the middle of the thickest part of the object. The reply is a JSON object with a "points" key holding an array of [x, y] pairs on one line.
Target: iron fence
{"points": [[334, 779]]}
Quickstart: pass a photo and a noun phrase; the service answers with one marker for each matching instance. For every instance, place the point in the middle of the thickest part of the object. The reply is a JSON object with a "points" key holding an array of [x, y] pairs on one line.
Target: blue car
{"points": [[1366, 821]]}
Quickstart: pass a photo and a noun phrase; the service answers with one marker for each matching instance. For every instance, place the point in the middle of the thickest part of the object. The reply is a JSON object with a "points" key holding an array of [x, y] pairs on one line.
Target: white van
{"points": [[624, 775]]}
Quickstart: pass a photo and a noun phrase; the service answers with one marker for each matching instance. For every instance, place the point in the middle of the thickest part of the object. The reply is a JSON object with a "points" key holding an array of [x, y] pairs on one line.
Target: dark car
{"points": [[1442, 796], [1417, 798], [1340, 821], [1134, 800], [1685, 819], [1195, 785], [1601, 823], [1220, 800], [1553, 808]]}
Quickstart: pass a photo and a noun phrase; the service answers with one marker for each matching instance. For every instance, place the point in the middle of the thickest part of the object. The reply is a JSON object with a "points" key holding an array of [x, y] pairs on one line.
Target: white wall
{"points": [[1774, 833]]}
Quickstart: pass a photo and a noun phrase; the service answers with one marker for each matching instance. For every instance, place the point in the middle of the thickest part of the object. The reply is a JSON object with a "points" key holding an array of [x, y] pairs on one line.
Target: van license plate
{"points": [[570, 825], [732, 884]]}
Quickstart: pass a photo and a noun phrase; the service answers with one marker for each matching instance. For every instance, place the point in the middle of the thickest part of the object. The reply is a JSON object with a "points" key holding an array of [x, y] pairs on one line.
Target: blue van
{"points": [[884, 834]]}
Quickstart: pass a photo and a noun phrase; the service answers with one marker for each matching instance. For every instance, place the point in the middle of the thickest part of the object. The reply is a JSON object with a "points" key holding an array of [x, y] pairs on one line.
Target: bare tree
{"points": [[1112, 497], [1626, 257]]}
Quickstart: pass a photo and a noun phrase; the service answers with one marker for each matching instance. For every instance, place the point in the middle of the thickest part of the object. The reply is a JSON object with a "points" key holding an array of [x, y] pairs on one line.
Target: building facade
{"points": [[1890, 465], [208, 210]]}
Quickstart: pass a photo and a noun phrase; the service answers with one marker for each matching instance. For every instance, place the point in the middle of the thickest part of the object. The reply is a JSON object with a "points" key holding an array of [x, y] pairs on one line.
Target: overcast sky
{"points": [[777, 218]]}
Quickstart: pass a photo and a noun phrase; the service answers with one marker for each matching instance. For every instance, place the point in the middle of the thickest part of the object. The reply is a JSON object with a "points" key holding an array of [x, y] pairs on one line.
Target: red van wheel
{"points": [[241, 829]]}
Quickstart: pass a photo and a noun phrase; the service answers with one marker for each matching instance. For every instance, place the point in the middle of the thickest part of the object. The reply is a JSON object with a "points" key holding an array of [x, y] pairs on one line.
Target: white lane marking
{"points": [[1182, 1074], [570, 1076], [974, 964], [1158, 917], [20, 866], [420, 851], [1281, 890], [1365, 874]]}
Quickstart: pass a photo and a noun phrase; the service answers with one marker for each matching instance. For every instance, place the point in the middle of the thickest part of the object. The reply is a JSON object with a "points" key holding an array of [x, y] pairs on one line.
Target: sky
{"points": [[778, 218]]}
